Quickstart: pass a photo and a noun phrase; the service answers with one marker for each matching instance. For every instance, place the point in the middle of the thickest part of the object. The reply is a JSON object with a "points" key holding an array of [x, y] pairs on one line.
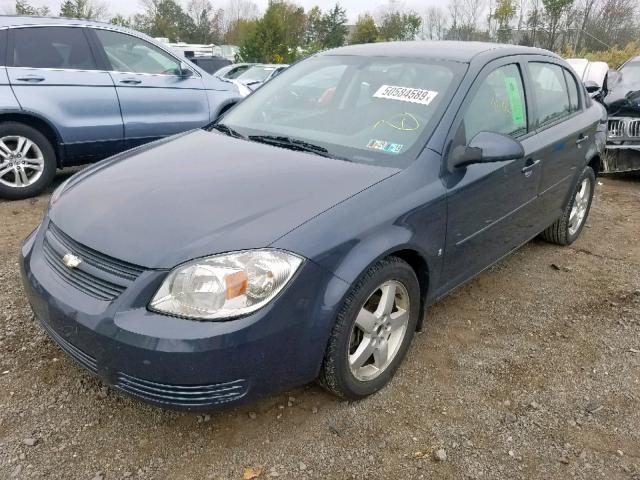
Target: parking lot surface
{"points": [[530, 371]]}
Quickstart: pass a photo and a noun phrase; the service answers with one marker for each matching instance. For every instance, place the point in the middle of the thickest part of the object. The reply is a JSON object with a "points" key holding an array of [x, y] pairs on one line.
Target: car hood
{"points": [[199, 194]]}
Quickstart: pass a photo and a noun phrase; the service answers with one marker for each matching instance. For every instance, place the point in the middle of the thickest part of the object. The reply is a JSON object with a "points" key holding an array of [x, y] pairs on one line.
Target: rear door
{"points": [[561, 132], [490, 205], [155, 100], [54, 74]]}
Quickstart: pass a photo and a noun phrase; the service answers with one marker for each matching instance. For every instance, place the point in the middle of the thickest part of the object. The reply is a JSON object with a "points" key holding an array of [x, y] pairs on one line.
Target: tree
{"points": [[203, 17], [365, 30], [335, 27], [86, 9], [24, 8], [505, 11], [165, 18], [315, 28], [554, 10], [277, 35], [396, 25], [120, 21], [434, 24]]}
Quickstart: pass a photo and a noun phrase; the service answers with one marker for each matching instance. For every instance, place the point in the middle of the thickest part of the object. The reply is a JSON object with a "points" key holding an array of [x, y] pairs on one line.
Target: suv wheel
{"points": [[27, 161], [567, 228], [373, 331]]}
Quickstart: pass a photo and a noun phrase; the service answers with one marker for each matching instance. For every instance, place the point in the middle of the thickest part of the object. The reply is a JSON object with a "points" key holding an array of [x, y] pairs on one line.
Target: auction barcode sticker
{"points": [[413, 95]]}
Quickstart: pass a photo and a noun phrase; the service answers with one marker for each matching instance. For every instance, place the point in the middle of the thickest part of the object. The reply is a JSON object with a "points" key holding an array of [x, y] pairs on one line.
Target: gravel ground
{"points": [[530, 371]]}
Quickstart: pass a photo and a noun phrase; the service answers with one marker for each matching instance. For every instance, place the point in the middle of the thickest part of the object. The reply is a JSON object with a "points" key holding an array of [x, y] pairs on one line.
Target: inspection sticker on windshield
{"points": [[384, 146], [413, 95]]}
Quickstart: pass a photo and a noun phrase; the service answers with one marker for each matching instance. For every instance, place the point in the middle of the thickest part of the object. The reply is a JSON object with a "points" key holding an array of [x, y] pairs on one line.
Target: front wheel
{"points": [[373, 331], [567, 228]]}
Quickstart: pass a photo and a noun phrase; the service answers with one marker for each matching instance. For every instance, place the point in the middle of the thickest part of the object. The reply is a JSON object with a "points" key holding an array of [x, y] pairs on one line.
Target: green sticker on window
{"points": [[515, 101]]}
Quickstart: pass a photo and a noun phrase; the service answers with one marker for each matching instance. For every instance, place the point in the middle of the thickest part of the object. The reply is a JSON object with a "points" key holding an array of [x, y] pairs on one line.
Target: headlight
{"points": [[225, 286]]}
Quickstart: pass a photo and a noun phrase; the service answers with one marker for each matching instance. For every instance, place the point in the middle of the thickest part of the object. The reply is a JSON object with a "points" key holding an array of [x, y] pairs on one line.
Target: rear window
{"points": [[52, 47]]}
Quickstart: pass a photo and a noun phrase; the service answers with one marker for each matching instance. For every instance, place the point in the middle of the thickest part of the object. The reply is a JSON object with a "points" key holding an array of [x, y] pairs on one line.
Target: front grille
{"points": [[182, 395], [616, 128], [85, 360], [99, 276], [634, 128]]}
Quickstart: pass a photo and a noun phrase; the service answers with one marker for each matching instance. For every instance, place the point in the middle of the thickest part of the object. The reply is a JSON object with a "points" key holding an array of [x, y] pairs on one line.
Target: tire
{"points": [[336, 374], [563, 231], [37, 162]]}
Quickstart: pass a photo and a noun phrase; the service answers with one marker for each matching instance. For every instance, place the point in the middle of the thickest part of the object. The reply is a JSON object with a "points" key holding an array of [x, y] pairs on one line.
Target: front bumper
{"points": [[623, 145], [180, 363]]}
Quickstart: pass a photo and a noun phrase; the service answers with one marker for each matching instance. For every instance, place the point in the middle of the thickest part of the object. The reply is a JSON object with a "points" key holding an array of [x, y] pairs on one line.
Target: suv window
{"points": [[498, 105], [574, 101], [552, 97], [127, 53], [52, 47]]}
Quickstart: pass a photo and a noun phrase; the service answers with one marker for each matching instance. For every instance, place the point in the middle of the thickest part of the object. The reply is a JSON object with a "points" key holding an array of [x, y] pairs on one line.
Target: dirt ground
{"points": [[530, 371]]}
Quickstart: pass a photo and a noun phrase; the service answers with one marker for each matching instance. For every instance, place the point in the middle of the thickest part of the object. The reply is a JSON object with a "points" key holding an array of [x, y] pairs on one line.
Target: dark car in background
{"points": [[75, 91], [304, 235], [622, 100]]}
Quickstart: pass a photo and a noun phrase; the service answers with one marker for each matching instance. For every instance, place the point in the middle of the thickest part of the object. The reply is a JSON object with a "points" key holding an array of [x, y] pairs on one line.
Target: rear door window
{"points": [[498, 105], [52, 47], [552, 96]]}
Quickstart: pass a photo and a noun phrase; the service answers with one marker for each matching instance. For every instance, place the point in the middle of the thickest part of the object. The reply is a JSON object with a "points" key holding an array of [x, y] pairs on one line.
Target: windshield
{"points": [[631, 74], [373, 110], [256, 74]]}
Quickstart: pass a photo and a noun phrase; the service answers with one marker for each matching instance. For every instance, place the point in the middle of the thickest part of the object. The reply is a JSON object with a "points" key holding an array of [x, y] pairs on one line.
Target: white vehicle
{"points": [[591, 73]]}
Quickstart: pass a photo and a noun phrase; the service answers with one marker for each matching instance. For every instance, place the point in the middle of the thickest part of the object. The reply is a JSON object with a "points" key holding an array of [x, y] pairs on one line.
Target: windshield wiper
{"points": [[226, 129], [292, 143]]}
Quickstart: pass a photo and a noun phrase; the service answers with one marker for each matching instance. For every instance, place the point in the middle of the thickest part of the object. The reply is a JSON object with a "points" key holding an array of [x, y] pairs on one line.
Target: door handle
{"points": [[582, 138], [529, 166], [30, 78], [131, 81]]}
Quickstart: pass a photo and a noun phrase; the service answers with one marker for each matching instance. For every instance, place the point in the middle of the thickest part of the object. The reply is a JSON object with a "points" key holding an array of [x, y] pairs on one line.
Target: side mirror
{"points": [[185, 71], [485, 147], [591, 86]]}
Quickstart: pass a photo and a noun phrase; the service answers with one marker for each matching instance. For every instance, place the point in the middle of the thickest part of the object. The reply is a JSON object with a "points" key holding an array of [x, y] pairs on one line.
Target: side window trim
{"points": [[109, 67]]}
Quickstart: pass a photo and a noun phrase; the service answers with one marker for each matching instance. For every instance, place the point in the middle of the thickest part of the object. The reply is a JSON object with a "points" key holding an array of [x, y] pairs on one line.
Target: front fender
{"points": [[403, 213]]}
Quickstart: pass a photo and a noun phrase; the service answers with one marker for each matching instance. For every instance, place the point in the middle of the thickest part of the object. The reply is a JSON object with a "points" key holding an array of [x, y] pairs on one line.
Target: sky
{"points": [[353, 7]]}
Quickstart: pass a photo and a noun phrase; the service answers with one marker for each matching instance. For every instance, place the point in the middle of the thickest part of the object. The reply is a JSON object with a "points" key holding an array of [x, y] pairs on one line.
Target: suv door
{"points": [[561, 132], [155, 99], [490, 205], [54, 74]]}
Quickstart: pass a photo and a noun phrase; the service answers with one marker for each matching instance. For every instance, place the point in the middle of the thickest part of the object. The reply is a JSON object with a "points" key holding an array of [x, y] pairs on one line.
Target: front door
{"points": [[490, 205], [54, 74], [155, 99]]}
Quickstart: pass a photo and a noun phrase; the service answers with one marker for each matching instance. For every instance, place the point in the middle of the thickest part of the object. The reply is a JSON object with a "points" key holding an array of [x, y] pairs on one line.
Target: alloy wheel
{"points": [[379, 330], [21, 161], [580, 206]]}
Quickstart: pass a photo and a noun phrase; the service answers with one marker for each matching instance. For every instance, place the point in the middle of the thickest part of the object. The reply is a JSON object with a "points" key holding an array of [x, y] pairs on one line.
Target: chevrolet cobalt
{"points": [[304, 235]]}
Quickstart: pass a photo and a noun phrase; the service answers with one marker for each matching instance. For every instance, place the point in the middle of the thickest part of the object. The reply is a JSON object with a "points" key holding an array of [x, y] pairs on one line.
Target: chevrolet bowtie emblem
{"points": [[71, 261]]}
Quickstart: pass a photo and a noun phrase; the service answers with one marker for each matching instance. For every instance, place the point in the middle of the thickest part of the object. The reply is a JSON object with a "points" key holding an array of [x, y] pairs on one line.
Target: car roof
{"points": [[23, 20], [456, 51]]}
